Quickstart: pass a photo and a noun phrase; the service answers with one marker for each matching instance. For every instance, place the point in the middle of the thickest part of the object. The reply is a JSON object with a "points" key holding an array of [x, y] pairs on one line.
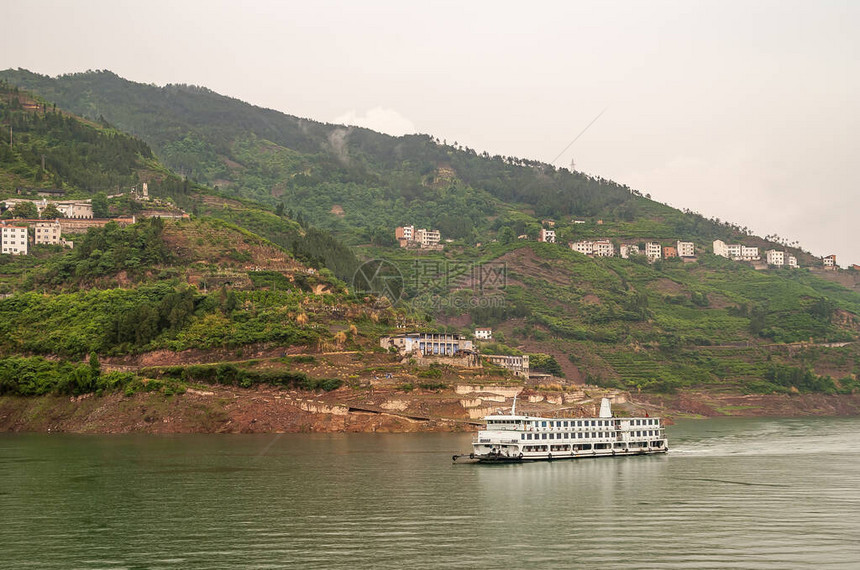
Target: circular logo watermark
{"points": [[380, 278]]}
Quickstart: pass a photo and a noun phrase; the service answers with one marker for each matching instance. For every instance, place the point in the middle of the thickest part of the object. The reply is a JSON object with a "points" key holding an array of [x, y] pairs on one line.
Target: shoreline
{"points": [[222, 409]]}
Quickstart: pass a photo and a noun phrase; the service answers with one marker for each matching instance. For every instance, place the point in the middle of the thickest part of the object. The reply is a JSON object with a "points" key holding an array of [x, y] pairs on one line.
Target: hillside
{"points": [[250, 279], [354, 181]]}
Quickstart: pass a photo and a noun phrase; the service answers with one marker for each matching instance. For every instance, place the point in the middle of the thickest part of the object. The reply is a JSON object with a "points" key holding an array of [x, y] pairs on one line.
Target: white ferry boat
{"points": [[515, 438]]}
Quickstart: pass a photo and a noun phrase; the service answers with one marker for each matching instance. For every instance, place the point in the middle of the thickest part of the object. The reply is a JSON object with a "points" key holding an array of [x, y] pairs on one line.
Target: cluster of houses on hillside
{"points": [[685, 250], [76, 217], [740, 252], [15, 233], [16, 240], [77, 209], [409, 236]]}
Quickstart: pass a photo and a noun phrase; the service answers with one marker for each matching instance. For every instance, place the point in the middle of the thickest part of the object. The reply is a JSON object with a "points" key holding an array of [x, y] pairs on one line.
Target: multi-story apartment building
{"points": [[604, 248], [428, 238], [653, 250], [47, 232], [14, 240], [775, 257], [483, 334], [736, 251], [427, 343], [409, 236], [519, 365], [791, 261], [830, 261], [546, 235], [583, 247], [669, 252], [686, 249], [749, 253], [404, 234]]}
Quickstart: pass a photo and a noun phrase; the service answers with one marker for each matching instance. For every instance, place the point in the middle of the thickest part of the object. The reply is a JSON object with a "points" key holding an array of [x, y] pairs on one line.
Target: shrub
{"points": [[432, 385], [430, 373]]}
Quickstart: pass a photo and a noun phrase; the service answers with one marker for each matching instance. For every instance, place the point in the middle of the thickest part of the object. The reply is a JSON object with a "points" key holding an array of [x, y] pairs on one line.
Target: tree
{"points": [[100, 205], [25, 210], [823, 309], [51, 212], [95, 367], [507, 235]]}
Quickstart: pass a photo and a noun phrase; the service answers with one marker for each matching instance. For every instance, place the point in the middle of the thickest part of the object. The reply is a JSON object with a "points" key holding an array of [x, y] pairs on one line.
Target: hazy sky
{"points": [[742, 110]]}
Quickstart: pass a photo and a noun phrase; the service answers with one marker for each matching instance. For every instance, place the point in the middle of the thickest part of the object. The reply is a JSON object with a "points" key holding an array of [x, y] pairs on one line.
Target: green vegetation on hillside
{"points": [[50, 148], [264, 258], [379, 181]]}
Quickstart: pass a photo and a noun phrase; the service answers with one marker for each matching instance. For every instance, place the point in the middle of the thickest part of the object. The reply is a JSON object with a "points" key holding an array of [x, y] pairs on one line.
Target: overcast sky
{"points": [[743, 110]]}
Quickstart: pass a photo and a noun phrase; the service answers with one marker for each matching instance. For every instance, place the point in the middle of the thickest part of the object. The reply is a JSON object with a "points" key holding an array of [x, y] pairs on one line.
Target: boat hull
{"points": [[493, 458]]}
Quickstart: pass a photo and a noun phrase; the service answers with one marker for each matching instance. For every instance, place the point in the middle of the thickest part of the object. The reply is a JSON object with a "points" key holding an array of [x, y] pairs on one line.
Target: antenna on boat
{"points": [[514, 407]]}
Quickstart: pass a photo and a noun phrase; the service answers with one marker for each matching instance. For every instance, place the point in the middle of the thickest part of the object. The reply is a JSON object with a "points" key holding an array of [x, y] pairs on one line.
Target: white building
{"points": [[775, 257], [734, 250], [519, 365], [405, 233], [427, 343], [14, 240], [791, 261], [830, 261], [547, 236], [653, 250], [749, 253], [77, 209], [720, 248], [583, 247], [483, 334], [47, 232], [428, 238], [686, 249], [627, 250], [604, 248]]}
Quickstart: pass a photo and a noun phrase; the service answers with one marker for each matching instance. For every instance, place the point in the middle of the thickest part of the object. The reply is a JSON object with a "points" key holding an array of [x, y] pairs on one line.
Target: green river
{"points": [[731, 493]]}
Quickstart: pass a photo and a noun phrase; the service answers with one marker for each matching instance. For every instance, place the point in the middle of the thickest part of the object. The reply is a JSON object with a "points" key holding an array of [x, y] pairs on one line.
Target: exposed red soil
{"points": [[220, 409]]}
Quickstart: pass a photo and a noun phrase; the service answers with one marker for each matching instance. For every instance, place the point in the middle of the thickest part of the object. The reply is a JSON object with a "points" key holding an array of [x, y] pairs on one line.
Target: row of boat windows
{"points": [[588, 446], [574, 423], [586, 435]]}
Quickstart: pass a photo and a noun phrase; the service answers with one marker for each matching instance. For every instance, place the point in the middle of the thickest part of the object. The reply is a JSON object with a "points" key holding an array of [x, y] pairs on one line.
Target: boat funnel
{"points": [[605, 408]]}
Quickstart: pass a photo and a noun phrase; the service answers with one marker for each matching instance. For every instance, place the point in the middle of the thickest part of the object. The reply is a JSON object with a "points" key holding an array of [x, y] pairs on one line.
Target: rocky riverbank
{"points": [[261, 409]]}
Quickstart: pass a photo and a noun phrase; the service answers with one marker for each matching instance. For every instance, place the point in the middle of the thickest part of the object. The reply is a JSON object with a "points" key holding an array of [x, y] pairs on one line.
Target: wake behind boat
{"points": [[513, 438]]}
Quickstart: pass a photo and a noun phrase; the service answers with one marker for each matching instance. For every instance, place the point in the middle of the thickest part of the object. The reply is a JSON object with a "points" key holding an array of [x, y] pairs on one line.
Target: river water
{"points": [[745, 493]]}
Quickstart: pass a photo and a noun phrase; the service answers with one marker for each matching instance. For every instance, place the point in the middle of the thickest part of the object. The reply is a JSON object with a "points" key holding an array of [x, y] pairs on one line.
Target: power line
{"points": [[582, 132]]}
